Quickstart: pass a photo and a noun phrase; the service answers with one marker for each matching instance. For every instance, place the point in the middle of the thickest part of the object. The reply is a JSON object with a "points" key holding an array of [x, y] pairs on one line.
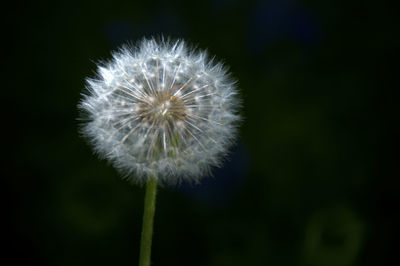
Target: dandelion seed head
{"points": [[161, 110]]}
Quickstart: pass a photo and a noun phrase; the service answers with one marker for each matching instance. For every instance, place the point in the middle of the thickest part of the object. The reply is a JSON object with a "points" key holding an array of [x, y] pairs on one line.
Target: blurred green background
{"points": [[310, 181]]}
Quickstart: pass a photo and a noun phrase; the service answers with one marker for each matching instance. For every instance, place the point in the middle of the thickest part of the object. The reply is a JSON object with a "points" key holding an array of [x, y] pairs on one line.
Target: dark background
{"points": [[311, 182]]}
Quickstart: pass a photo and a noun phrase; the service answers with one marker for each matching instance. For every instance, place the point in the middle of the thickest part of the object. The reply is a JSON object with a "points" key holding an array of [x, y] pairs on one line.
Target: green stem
{"points": [[148, 218]]}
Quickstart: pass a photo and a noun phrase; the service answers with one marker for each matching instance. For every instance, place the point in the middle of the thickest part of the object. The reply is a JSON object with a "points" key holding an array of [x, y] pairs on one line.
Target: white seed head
{"points": [[161, 110]]}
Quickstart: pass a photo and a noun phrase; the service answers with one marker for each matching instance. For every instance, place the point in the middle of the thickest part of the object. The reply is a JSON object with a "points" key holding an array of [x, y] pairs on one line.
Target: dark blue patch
{"points": [[281, 20], [219, 188]]}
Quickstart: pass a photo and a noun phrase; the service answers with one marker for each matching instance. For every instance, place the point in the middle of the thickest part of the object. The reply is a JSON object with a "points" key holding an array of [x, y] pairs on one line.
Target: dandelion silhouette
{"points": [[160, 112]]}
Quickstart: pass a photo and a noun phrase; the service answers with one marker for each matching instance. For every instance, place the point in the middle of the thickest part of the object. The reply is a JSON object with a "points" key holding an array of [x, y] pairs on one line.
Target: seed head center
{"points": [[163, 107]]}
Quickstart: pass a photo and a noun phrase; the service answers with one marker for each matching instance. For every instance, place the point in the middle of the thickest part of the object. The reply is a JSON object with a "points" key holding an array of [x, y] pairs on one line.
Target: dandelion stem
{"points": [[148, 218]]}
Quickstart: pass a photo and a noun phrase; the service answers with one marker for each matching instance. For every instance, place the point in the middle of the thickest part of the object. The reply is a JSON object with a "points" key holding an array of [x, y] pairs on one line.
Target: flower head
{"points": [[161, 110]]}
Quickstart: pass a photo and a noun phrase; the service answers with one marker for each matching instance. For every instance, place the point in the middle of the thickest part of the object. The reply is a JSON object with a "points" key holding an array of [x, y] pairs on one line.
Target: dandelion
{"points": [[160, 112]]}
